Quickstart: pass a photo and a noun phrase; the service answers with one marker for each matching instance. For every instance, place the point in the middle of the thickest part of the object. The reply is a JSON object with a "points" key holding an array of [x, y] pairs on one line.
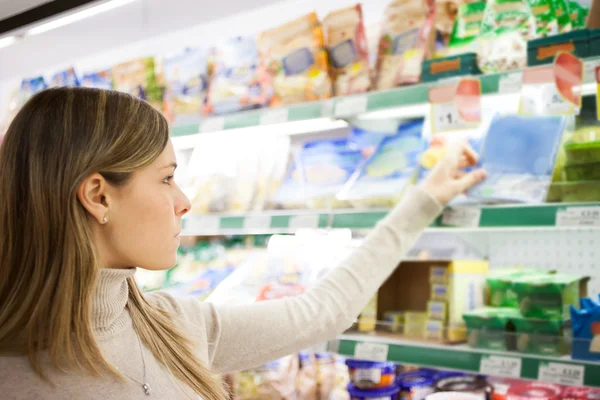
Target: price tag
{"points": [[544, 99], [212, 124], [589, 70], [274, 116], [509, 367], [304, 222], [579, 216], [455, 106], [511, 83], [257, 222], [201, 224], [562, 374], [371, 351], [462, 217], [445, 117], [349, 106]]}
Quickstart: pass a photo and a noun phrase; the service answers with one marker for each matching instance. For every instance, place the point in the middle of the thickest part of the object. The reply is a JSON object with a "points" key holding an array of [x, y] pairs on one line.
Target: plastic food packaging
{"points": [[295, 58], [465, 32], [574, 192], [581, 393], [138, 78], [277, 379], [499, 286], [327, 373], [348, 50], [99, 80], [583, 172], [414, 323], [395, 319], [487, 327], [501, 386], [306, 381], [273, 159], [445, 17], [29, 87], [518, 154], [583, 146], [455, 396], [416, 385], [381, 181], [506, 27], [465, 384], [586, 328], [187, 83], [541, 337], [67, 77], [547, 296], [238, 80], [546, 20], [534, 391], [407, 38], [562, 15], [371, 374], [389, 393]]}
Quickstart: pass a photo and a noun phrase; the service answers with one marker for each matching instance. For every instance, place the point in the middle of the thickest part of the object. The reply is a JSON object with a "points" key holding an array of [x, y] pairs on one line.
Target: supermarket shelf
{"points": [[349, 106], [581, 215], [463, 358]]}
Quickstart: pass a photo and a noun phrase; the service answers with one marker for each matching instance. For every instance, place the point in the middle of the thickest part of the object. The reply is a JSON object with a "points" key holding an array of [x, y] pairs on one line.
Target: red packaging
{"points": [[535, 391], [581, 393], [501, 386]]}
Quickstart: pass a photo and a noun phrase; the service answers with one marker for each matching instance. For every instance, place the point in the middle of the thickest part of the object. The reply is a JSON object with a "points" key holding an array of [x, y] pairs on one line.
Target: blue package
{"points": [[326, 145], [381, 180], [586, 332], [98, 80], [31, 86], [67, 77], [518, 155]]}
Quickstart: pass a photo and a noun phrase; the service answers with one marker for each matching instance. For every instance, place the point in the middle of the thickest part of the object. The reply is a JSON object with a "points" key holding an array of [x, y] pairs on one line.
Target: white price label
{"points": [[201, 224], [257, 222], [212, 124], [445, 117], [349, 106], [371, 351], [562, 374], [509, 367], [544, 99], [579, 217], [589, 71], [462, 217], [511, 83], [274, 116], [304, 222]]}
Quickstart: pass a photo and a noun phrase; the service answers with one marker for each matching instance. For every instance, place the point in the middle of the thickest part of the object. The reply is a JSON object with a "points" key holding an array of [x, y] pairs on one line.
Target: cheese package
{"points": [[348, 50], [295, 59], [187, 82], [237, 81], [407, 38]]}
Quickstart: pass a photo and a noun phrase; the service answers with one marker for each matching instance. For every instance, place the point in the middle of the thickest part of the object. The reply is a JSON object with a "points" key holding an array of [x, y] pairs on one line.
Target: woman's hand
{"points": [[447, 179]]}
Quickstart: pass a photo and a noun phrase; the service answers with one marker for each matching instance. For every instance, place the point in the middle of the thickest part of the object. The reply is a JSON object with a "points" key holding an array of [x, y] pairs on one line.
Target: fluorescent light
{"points": [[77, 16], [7, 41]]}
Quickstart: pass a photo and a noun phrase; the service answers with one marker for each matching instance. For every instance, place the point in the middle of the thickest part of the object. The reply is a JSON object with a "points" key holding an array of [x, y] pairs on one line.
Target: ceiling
{"points": [[9, 8]]}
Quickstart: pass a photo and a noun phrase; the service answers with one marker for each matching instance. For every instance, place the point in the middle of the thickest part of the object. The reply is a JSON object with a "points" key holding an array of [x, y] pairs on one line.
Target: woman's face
{"points": [[144, 218]]}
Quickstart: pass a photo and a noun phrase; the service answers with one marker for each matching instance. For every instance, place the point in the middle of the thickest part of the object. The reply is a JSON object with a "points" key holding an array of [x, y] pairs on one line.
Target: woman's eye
{"points": [[168, 179]]}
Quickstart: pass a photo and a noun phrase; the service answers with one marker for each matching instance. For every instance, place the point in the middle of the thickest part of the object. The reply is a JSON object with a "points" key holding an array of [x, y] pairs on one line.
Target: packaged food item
{"points": [[586, 332], [487, 327], [583, 172], [371, 374], [395, 319], [580, 393], [327, 373], [434, 330], [439, 292], [407, 38], [501, 386], [577, 14], [549, 296], [99, 80], [438, 275], [474, 384], [277, 379], [534, 390], [541, 337], [306, 380], [445, 17], [583, 147], [274, 155], [562, 15], [367, 320], [506, 27], [295, 57], [238, 80], [187, 83], [499, 286], [414, 323], [389, 393], [67, 77], [465, 32], [455, 396], [381, 181], [366, 135], [348, 50], [437, 310], [416, 385], [546, 20], [518, 154], [29, 87], [138, 78], [577, 192], [291, 194]]}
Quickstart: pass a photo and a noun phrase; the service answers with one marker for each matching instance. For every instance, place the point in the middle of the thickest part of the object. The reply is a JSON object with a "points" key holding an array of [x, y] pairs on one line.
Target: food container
{"points": [[416, 385], [487, 327], [501, 386], [371, 374], [542, 337], [455, 396], [583, 172], [414, 323], [583, 146], [574, 192], [542, 51], [534, 391], [395, 320], [439, 375], [465, 384], [448, 67], [390, 393], [581, 393]]}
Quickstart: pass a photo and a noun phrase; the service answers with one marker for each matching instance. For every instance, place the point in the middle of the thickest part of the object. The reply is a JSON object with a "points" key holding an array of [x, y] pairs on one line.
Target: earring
{"points": [[105, 219]]}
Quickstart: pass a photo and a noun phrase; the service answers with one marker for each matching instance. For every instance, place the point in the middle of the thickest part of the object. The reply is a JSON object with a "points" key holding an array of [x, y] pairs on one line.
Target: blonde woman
{"points": [[88, 196]]}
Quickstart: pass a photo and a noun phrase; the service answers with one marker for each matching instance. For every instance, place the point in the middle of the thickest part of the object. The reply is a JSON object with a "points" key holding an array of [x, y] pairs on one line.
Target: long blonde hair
{"points": [[48, 264]]}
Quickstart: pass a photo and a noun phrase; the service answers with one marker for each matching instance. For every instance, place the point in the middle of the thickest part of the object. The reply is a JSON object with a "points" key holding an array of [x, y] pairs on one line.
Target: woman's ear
{"points": [[92, 194]]}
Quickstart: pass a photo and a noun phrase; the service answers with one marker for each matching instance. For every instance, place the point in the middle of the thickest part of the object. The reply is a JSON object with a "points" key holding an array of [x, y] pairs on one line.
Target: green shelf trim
{"points": [[357, 220]]}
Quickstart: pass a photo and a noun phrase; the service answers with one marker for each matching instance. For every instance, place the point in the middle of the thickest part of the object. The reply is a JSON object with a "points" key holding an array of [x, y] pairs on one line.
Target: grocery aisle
{"points": [[298, 127]]}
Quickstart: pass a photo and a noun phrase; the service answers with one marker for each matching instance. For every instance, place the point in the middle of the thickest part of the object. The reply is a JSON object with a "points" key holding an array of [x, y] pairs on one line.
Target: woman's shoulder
{"points": [[188, 308]]}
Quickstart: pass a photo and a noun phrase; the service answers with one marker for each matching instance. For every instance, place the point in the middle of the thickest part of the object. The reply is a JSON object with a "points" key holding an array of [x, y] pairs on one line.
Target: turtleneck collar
{"points": [[109, 314]]}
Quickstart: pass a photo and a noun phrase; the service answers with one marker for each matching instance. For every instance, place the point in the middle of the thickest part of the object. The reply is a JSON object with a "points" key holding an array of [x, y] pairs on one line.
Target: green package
{"points": [[467, 25], [577, 15], [499, 286], [561, 7], [547, 296], [487, 327], [541, 337], [546, 21]]}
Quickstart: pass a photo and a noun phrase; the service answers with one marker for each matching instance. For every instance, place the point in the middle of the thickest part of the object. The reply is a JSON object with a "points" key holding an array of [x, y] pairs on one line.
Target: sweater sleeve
{"points": [[241, 337]]}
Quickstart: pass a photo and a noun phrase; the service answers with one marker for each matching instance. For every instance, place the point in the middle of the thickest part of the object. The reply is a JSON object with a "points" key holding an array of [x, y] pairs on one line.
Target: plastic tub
{"points": [[455, 396], [390, 393], [372, 374], [535, 391], [416, 385], [583, 172], [465, 384]]}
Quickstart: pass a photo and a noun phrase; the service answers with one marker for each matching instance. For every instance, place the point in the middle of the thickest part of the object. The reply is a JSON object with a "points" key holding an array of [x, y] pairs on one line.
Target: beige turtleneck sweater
{"points": [[230, 337]]}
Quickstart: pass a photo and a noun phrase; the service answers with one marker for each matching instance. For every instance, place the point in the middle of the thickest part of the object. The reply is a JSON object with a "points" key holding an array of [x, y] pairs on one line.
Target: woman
{"points": [[88, 194]]}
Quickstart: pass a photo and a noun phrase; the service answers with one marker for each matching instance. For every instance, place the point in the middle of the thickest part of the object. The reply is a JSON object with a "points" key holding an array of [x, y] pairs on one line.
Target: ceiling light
{"points": [[7, 41]]}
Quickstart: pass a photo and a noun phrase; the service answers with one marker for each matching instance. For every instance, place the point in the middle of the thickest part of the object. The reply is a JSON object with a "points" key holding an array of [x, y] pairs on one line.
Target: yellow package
{"points": [[348, 50], [395, 319], [295, 57], [138, 77], [437, 310], [439, 292], [414, 324], [438, 275], [367, 320], [434, 330]]}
